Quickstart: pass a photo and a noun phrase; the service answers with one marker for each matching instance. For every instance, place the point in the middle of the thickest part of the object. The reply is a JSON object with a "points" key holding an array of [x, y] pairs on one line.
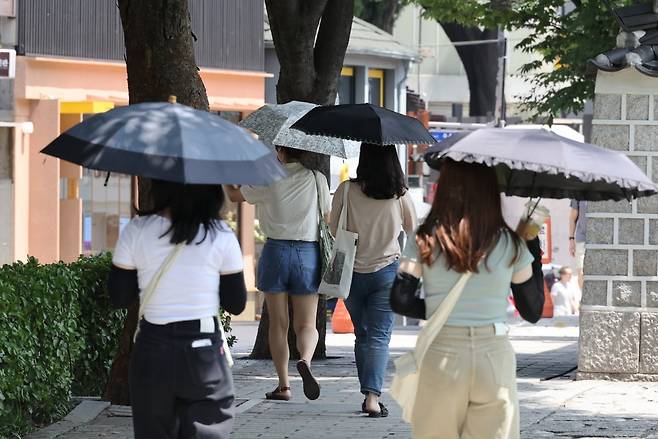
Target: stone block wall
{"points": [[619, 310]]}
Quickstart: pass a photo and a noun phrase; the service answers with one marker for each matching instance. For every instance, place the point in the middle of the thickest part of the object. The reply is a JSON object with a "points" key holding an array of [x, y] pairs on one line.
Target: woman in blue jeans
{"points": [[378, 209]]}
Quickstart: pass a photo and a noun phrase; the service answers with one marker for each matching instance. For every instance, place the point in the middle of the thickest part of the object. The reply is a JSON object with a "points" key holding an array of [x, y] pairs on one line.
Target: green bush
{"points": [[39, 315], [99, 325], [58, 337]]}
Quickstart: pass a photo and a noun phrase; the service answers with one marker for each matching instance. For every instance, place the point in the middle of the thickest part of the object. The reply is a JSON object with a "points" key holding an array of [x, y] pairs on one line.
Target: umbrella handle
{"points": [[106, 179]]}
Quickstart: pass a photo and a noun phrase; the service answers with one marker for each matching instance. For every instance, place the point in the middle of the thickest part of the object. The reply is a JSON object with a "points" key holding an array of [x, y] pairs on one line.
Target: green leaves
{"points": [[58, 337], [562, 37]]}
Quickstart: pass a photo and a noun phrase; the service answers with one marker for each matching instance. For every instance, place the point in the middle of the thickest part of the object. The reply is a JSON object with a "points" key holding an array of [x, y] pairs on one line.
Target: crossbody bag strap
{"points": [[435, 323], [155, 280], [317, 191], [342, 221]]}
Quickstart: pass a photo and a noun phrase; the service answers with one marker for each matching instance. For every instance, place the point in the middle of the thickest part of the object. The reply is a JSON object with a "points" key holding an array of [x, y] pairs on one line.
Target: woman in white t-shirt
{"points": [[564, 303], [289, 265], [180, 384]]}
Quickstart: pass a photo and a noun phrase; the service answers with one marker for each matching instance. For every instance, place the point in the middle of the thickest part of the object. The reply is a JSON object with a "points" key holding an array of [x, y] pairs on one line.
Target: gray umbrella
{"points": [[272, 124], [168, 142], [540, 163]]}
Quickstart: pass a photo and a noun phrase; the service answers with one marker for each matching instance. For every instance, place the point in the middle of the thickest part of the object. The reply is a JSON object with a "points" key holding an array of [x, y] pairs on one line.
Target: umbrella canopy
{"points": [[168, 142], [272, 124], [364, 123], [539, 163]]}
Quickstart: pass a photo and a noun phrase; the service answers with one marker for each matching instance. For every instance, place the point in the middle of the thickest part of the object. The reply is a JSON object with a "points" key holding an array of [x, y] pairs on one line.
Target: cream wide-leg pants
{"points": [[467, 387]]}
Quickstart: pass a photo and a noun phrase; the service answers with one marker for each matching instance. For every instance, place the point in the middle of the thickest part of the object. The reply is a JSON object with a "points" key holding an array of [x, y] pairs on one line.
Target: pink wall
{"points": [[44, 234]]}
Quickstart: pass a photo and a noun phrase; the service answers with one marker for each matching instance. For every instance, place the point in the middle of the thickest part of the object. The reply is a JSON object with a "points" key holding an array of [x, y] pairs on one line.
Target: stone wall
{"points": [[619, 312]]}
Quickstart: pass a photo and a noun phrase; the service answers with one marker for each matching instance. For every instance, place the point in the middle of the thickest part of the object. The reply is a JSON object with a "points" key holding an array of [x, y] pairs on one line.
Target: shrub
{"points": [[39, 316], [58, 336], [99, 326]]}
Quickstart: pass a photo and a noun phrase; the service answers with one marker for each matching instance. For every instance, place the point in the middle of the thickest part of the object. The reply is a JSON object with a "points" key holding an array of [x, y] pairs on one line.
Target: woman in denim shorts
{"points": [[289, 265]]}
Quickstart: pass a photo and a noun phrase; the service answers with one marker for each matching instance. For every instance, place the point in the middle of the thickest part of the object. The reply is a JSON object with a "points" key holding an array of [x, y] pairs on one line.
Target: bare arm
{"points": [[233, 193], [573, 218]]}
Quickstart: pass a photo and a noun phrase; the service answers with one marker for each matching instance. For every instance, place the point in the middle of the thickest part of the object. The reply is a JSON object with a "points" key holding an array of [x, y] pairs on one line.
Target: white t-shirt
{"points": [[190, 289], [288, 209], [561, 295]]}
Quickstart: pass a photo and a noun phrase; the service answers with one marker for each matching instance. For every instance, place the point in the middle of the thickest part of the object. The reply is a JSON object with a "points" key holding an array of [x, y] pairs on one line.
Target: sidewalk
{"points": [[557, 407]]}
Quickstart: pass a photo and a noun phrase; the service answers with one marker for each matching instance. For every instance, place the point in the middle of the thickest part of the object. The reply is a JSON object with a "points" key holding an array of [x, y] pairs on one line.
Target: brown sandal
{"points": [[279, 394]]}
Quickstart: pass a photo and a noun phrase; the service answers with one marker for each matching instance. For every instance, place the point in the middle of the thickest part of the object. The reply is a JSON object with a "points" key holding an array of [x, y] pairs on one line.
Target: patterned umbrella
{"points": [[170, 142], [540, 163], [272, 124]]}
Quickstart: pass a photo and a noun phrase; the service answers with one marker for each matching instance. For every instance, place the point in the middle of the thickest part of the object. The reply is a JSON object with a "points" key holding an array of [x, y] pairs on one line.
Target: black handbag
{"points": [[405, 296]]}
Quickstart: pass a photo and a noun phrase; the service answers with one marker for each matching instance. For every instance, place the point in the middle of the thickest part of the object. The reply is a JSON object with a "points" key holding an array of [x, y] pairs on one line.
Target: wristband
{"points": [[571, 238]]}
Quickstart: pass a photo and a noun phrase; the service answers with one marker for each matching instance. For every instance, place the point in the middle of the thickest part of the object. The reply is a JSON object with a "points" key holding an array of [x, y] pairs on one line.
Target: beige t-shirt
{"points": [[378, 223], [288, 209]]}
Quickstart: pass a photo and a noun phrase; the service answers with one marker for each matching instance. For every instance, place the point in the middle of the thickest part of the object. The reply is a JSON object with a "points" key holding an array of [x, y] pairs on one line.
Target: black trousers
{"points": [[180, 384]]}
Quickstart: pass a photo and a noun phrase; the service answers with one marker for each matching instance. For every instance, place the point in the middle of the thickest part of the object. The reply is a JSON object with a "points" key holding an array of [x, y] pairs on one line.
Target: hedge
{"points": [[58, 337]]}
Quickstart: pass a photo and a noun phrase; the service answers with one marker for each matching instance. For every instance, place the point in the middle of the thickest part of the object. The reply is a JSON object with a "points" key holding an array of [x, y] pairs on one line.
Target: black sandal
{"points": [[311, 385], [382, 413], [279, 394]]}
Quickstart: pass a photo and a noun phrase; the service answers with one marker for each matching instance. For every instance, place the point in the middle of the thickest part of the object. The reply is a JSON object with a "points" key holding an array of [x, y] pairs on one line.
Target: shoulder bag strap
{"points": [[317, 191], [435, 323], [342, 221], [155, 280]]}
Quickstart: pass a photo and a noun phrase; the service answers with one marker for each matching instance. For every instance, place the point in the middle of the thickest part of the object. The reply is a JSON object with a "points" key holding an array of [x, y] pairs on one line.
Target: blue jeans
{"points": [[370, 310]]}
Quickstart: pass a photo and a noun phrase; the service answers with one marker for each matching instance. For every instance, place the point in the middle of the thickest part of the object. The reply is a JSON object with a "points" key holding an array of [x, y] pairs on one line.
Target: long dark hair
{"points": [[466, 218], [190, 206], [379, 173]]}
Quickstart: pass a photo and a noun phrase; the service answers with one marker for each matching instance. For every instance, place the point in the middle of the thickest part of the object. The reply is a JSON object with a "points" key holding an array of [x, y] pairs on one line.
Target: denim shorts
{"points": [[286, 266]]}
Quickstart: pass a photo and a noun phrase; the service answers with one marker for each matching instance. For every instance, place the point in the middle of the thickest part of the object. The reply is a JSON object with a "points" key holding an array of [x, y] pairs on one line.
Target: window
{"points": [[376, 87], [346, 86], [105, 209]]}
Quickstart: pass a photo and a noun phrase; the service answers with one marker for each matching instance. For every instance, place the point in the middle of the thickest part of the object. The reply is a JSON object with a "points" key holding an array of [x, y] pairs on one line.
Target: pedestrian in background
{"points": [[182, 262], [378, 208], [578, 236], [564, 301], [467, 378], [289, 265]]}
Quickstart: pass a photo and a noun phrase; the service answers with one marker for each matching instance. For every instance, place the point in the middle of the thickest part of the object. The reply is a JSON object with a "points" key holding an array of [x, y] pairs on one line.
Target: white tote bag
{"points": [[337, 278], [405, 380]]}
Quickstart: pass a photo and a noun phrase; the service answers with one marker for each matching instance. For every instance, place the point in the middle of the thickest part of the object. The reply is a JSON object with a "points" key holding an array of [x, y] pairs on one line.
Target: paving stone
{"points": [[652, 294], [606, 262], [609, 207], [647, 205], [645, 262], [595, 292], [626, 293], [600, 230], [612, 136], [607, 106], [649, 343], [637, 107], [646, 138], [609, 341], [631, 231]]}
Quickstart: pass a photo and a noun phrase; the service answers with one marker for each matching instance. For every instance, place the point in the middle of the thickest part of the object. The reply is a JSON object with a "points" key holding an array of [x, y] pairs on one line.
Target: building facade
{"points": [[69, 65]]}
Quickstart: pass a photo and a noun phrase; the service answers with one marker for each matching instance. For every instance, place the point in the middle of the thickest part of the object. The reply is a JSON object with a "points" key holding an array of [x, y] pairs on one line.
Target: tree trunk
{"points": [[310, 68], [481, 64], [160, 62], [381, 13]]}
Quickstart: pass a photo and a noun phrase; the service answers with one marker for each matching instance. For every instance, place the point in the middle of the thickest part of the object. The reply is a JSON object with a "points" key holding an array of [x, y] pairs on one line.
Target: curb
{"points": [[84, 412]]}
